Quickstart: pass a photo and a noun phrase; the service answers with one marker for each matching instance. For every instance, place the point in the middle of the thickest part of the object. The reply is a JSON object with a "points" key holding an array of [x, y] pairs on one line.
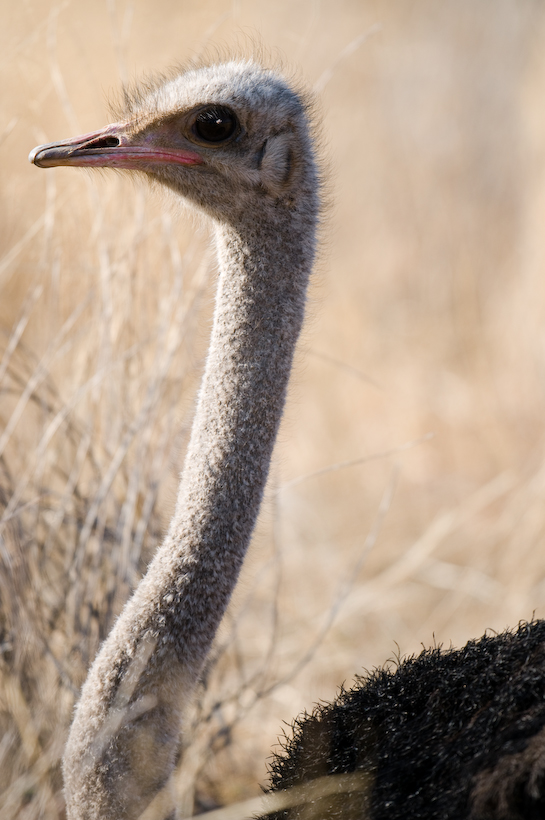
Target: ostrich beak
{"points": [[112, 147]]}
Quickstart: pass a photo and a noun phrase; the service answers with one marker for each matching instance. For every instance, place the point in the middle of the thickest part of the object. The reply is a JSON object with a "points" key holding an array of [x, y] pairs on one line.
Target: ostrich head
{"points": [[220, 136]]}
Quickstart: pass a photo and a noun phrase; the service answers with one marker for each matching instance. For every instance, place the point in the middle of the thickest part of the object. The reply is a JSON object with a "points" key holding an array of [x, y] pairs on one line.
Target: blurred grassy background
{"points": [[426, 316]]}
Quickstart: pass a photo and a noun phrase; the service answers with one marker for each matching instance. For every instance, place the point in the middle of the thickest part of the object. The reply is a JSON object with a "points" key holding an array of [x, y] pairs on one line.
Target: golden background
{"points": [[422, 359]]}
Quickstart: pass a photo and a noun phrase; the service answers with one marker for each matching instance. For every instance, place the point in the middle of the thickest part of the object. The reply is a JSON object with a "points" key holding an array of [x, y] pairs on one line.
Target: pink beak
{"points": [[111, 147]]}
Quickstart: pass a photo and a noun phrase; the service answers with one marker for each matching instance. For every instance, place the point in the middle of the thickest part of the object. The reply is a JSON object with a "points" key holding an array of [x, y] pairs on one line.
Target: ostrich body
{"points": [[447, 735]]}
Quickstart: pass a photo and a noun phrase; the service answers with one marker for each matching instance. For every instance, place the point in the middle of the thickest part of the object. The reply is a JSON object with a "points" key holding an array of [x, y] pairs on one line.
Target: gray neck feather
{"points": [[126, 731]]}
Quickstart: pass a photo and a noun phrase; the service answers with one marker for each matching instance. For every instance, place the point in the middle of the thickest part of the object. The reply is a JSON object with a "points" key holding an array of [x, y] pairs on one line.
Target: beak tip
{"points": [[33, 155]]}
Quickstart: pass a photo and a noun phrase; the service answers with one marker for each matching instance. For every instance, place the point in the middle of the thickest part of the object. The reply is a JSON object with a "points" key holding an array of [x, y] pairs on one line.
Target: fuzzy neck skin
{"points": [[123, 741]]}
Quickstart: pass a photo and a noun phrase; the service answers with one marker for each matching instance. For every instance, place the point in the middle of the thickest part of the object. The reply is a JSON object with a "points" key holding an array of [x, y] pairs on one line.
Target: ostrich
{"points": [[234, 140], [448, 734]]}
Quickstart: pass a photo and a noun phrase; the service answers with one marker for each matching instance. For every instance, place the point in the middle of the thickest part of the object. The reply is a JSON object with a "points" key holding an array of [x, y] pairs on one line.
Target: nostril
{"points": [[104, 142]]}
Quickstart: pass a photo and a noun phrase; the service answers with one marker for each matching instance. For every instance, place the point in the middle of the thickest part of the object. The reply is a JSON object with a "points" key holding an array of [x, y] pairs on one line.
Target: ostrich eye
{"points": [[215, 124]]}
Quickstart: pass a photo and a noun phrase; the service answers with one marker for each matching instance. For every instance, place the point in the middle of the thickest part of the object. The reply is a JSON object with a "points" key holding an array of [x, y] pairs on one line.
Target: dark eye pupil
{"points": [[215, 124]]}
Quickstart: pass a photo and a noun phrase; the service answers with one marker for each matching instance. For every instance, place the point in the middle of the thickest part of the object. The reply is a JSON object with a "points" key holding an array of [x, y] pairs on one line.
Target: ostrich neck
{"points": [[259, 312], [124, 737]]}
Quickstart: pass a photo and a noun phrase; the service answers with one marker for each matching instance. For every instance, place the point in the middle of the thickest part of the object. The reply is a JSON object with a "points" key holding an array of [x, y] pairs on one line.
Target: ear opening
{"points": [[276, 163]]}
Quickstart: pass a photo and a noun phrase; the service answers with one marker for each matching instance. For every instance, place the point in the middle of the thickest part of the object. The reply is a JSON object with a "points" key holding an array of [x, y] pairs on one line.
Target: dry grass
{"points": [[426, 316]]}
